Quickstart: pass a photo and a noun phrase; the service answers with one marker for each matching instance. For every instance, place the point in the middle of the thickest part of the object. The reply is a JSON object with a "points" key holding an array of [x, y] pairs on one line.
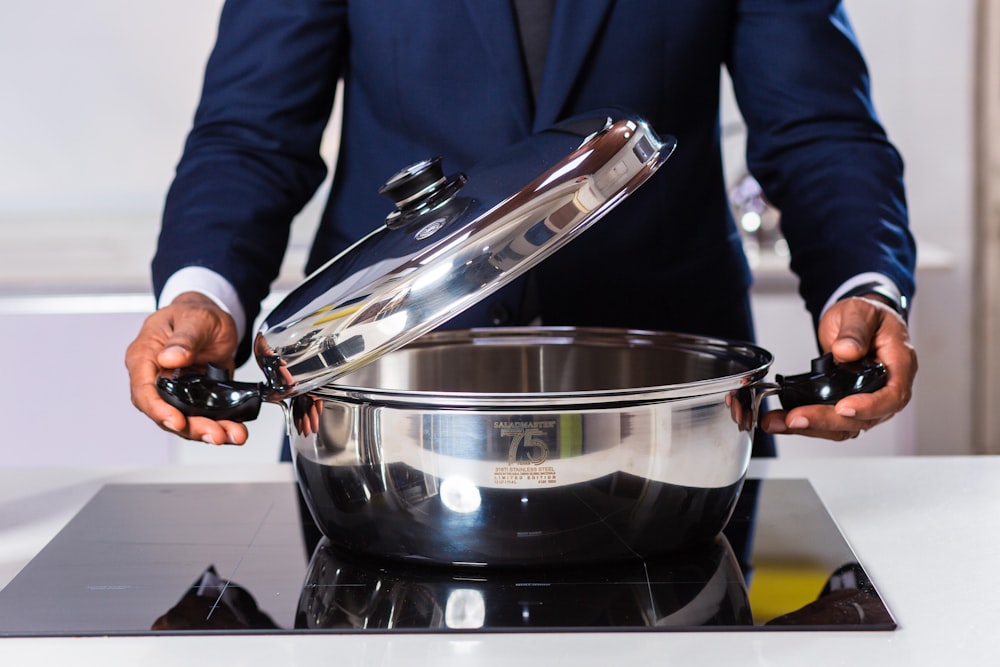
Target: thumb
{"points": [[175, 355], [854, 323], [851, 344], [189, 336], [197, 331]]}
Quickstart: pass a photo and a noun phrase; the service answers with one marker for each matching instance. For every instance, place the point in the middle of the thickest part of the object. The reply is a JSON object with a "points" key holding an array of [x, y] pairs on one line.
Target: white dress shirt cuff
{"points": [[861, 279], [211, 284]]}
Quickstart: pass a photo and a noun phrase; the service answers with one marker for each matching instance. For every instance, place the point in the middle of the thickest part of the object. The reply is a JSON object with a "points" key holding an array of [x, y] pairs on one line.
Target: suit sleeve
{"points": [[251, 160], [817, 147]]}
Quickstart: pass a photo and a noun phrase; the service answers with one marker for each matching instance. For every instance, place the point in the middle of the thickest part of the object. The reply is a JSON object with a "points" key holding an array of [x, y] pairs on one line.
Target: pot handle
{"points": [[212, 395], [826, 383]]}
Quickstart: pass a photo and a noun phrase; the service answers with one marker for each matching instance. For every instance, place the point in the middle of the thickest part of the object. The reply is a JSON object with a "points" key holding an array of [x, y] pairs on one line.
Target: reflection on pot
{"points": [[743, 409], [702, 587], [305, 414]]}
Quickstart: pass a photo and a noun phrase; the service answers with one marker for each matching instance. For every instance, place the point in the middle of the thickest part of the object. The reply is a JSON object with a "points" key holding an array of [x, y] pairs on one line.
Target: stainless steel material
{"points": [[648, 403], [521, 445], [450, 243]]}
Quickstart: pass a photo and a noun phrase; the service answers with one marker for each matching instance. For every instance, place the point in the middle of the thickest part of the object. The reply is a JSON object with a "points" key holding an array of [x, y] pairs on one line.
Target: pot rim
{"points": [[756, 359]]}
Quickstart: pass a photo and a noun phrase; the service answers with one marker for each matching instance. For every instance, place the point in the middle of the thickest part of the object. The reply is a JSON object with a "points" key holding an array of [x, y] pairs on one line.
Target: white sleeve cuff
{"points": [[861, 279], [211, 284]]}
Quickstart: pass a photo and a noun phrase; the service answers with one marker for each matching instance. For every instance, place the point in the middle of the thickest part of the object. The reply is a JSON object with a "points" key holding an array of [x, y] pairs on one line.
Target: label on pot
{"points": [[545, 450], [528, 449], [520, 475]]}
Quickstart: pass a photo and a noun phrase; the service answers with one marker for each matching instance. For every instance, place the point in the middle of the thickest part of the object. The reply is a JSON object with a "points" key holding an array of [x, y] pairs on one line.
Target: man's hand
{"points": [[853, 329], [191, 331]]}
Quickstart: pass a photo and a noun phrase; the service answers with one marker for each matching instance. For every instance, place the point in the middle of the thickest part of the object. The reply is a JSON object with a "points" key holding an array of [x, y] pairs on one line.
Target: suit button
{"points": [[499, 313]]}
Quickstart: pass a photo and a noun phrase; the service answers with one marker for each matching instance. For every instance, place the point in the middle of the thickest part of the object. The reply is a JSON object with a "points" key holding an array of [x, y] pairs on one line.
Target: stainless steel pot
{"points": [[504, 447], [523, 446]]}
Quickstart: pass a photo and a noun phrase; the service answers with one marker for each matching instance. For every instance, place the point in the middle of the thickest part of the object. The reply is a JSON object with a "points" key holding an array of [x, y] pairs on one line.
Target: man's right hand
{"points": [[191, 331]]}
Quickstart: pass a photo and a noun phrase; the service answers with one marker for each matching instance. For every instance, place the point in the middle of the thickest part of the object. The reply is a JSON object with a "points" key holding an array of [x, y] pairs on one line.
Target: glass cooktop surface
{"points": [[246, 558]]}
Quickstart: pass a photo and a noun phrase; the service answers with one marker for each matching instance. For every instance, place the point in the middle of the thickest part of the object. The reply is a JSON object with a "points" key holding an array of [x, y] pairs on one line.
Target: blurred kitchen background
{"points": [[98, 96]]}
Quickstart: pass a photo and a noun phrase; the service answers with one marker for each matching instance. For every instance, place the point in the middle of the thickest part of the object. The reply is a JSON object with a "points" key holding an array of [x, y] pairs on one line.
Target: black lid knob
{"points": [[414, 183]]}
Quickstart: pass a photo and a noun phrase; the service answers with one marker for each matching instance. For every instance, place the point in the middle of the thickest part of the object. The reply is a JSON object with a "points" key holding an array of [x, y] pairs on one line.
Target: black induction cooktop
{"points": [[245, 558]]}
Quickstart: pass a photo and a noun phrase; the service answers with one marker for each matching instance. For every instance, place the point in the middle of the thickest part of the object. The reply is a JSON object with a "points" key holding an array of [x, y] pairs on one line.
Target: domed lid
{"points": [[450, 242]]}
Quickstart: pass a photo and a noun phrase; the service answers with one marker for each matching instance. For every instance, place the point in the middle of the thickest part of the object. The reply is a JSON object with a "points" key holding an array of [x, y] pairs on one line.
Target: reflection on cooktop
{"points": [[208, 558], [698, 588]]}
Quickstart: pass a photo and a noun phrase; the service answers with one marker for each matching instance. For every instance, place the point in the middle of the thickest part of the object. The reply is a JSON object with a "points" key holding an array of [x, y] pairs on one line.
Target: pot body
{"points": [[526, 446]]}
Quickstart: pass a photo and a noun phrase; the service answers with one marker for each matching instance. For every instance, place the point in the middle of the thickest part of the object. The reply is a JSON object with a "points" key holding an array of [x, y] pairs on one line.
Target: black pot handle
{"points": [[212, 395], [827, 382]]}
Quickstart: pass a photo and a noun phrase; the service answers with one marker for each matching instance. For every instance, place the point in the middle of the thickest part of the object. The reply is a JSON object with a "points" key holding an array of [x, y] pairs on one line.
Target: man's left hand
{"points": [[853, 329]]}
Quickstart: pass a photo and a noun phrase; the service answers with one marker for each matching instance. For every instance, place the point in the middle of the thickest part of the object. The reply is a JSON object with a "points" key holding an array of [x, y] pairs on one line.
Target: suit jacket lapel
{"points": [[575, 26], [497, 28]]}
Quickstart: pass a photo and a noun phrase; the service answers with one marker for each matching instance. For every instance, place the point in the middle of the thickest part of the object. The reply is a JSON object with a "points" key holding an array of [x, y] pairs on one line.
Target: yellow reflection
{"points": [[779, 587]]}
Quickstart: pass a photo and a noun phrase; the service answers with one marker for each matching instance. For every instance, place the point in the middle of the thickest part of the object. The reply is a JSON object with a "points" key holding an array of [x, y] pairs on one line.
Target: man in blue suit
{"points": [[465, 79]]}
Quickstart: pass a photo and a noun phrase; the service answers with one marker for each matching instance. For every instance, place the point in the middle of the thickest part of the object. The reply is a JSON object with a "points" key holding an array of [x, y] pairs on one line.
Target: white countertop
{"points": [[927, 530]]}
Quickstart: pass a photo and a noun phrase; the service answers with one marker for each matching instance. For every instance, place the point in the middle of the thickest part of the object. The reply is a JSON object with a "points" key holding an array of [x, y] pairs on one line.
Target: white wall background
{"points": [[97, 97], [921, 54]]}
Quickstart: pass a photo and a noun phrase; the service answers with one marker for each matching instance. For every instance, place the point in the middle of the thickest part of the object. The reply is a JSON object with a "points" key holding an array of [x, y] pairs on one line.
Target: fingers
{"points": [[852, 329], [214, 432], [816, 421], [141, 360], [889, 342], [190, 331]]}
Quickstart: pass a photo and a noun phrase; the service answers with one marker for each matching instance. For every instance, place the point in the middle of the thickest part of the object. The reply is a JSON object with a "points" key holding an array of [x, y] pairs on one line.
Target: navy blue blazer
{"points": [[446, 77]]}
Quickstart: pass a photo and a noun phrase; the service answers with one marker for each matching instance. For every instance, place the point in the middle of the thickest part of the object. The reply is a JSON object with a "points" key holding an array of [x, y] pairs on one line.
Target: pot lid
{"points": [[450, 242]]}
